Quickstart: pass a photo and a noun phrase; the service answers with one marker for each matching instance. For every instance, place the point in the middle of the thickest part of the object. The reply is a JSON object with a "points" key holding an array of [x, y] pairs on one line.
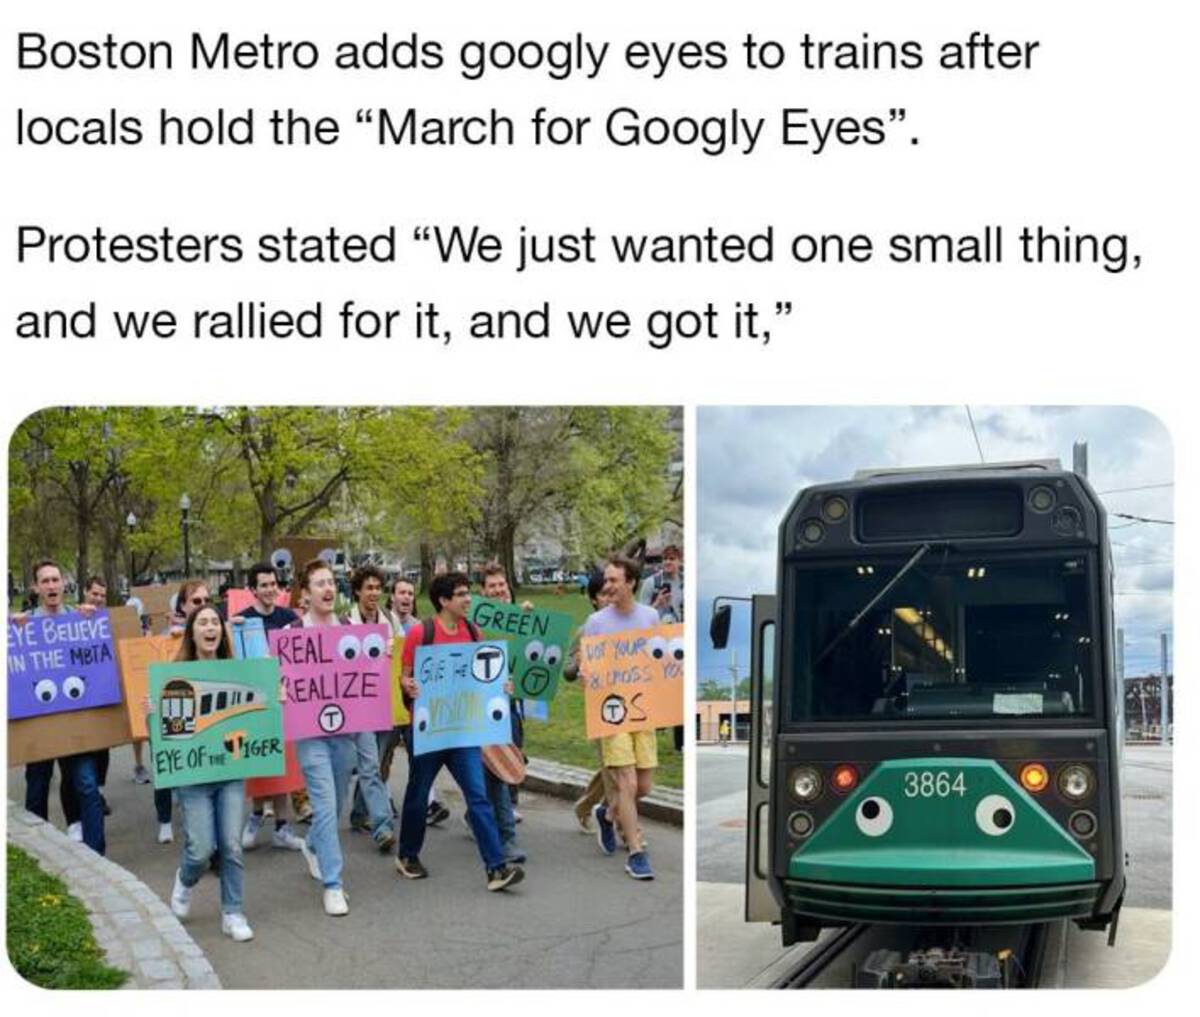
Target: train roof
{"points": [[963, 469]]}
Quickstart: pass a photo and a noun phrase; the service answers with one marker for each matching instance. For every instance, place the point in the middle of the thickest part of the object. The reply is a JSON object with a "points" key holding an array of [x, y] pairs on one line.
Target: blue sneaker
{"points": [[638, 866], [606, 835]]}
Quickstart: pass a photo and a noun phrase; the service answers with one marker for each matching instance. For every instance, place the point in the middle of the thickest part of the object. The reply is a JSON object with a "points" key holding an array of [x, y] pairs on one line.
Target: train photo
{"points": [[936, 717], [186, 709]]}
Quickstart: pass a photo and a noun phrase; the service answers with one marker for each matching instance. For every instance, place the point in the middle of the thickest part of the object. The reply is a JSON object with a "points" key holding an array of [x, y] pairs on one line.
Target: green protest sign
{"points": [[215, 720], [537, 643]]}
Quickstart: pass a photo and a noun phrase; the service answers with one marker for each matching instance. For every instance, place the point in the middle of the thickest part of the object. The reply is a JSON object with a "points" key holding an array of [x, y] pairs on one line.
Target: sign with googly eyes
{"points": [[537, 643], [61, 663], [337, 679], [461, 698], [633, 681]]}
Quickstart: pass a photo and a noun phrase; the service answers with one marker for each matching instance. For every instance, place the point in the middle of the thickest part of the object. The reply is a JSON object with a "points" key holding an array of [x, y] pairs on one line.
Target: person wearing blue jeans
{"points": [[212, 819], [451, 597], [500, 797], [79, 773], [327, 764], [372, 807]]}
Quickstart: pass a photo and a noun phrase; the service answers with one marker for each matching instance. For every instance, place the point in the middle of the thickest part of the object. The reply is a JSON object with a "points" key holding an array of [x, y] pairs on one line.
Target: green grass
{"points": [[50, 940], [563, 739]]}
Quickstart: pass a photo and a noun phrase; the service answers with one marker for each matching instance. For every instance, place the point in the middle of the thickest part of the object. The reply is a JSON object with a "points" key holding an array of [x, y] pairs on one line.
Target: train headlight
{"points": [[1082, 824], [1076, 782], [801, 824], [806, 784], [1034, 777], [835, 509], [1042, 499], [812, 531]]}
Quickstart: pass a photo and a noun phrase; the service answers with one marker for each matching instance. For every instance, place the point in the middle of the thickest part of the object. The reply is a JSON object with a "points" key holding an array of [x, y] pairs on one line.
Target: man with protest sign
{"points": [[631, 757], [78, 773], [372, 808], [450, 594], [95, 594], [264, 584]]}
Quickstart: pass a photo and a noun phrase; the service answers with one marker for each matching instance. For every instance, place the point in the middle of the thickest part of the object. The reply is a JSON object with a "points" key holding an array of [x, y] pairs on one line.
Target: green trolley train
{"points": [[935, 720]]}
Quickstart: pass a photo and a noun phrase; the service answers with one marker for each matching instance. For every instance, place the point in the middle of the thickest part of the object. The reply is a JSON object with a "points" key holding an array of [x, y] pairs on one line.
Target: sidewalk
{"points": [[664, 804]]}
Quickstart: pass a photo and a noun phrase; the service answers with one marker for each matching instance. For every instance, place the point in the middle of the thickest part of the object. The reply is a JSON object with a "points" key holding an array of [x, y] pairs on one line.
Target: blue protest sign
{"points": [[537, 709], [461, 699], [249, 639], [61, 662]]}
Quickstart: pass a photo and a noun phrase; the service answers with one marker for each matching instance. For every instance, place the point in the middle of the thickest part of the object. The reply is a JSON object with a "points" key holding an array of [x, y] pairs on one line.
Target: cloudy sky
{"points": [[753, 460]]}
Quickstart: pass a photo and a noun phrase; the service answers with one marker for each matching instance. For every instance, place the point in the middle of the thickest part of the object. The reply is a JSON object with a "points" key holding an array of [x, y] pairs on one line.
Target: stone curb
{"points": [[664, 804], [133, 926]]}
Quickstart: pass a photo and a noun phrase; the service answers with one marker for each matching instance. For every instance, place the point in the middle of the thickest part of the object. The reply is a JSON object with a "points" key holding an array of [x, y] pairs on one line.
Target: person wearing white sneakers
{"points": [[213, 811]]}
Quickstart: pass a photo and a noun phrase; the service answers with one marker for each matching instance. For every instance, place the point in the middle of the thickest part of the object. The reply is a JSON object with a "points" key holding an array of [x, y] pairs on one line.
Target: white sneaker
{"points": [[141, 775], [165, 833], [314, 866], [181, 898], [75, 832], [236, 928], [284, 838], [336, 904], [250, 831], [518, 817]]}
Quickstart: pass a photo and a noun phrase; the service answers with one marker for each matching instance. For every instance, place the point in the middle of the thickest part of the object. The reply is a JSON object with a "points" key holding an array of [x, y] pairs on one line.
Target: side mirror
{"points": [[718, 628]]}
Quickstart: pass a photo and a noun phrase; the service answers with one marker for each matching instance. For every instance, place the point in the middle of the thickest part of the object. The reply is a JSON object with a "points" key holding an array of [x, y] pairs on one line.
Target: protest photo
{"points": [[279, 675]]}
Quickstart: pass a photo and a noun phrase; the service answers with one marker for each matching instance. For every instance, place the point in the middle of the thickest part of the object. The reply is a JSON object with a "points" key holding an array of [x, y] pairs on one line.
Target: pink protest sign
{"points": [[338, 679]]}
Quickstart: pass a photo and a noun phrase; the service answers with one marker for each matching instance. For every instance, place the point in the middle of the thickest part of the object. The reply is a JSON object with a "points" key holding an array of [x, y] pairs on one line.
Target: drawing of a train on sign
{"points": [[186, 709]]}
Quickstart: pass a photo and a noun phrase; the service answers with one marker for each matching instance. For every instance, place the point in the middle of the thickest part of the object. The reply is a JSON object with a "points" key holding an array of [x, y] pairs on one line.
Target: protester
{"points": [[212, 812], [372, 808], [193, 594], [450, 594], [95, 595], [326, 762], [264, 584], [632, 757], [663, 591], [79, 790]]}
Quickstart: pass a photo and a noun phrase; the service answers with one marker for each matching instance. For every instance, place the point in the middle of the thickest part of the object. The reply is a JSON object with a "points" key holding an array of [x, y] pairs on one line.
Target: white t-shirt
{"points": [[608, 620]]}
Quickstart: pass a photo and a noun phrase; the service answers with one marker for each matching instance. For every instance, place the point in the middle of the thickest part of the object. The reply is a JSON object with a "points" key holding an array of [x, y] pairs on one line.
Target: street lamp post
{"points": [[185, 506], [131, 522]]}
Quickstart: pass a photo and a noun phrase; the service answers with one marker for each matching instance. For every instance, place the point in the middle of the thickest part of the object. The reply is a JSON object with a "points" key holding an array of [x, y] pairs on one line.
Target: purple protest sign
{"points": [[62, 662], [338, 679]]}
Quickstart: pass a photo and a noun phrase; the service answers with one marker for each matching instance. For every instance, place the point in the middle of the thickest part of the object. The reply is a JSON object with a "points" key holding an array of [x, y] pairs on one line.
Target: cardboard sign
{"points": [[215, 720], [400, 715], [249, 638], [238, 599], [537, 643], [135, 657], [65, 734], [60, 663], [155, 602], [632, 681], [338, 679], [291, 554], [461, 699]]}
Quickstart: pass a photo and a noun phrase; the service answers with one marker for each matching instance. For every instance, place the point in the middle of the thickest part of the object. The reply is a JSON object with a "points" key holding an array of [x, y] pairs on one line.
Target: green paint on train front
{"points": [[941, 822]]}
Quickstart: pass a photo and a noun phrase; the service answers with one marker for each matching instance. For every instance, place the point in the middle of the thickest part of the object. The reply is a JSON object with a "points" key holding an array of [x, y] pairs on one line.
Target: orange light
{"points": [[845, 778], [1034, 777]]}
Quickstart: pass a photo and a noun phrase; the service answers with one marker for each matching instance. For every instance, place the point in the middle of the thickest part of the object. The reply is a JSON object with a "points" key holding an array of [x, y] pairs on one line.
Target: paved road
{"points": [[1146, 797], [577, 922]]}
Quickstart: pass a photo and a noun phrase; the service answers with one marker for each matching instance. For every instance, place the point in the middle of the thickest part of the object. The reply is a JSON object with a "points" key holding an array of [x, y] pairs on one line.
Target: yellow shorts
{"points": [[637, 748]]}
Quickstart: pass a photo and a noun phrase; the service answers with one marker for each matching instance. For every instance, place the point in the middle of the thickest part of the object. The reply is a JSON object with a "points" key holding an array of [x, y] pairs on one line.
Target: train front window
{"points": [[962, 638]]}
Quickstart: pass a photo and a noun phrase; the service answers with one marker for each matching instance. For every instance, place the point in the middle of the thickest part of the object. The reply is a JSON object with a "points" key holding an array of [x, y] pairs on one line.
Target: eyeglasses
{"points": [[198, 601]]}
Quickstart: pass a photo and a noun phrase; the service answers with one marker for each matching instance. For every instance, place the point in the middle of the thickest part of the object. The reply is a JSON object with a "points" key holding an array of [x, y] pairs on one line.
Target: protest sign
{"points": [[400, 715], [292, 779], [64, 734], [537, 643], [249, 638], [155, 603], [237, 599], [291, 554], [215, 720], [135, 657], [537, 710], [338, 679], [60, 663], [461, 699], [633, 681]]}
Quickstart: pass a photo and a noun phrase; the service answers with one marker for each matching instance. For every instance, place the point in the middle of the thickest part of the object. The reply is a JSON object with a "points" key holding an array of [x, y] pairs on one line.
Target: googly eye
{"points": [[553, 655], [74, 687], [374, 645], [497, 708], [534, 651], [45, 691], [349, 648], [657, 648], [421, 718], [675, 649], [873, 816], [328, 555], [995, 815], [281, 558]]}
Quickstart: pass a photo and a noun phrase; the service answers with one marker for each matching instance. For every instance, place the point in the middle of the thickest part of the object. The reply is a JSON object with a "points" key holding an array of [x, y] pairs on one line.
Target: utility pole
{"points": [[733, 672], [1165, 713], [1079, 458]]}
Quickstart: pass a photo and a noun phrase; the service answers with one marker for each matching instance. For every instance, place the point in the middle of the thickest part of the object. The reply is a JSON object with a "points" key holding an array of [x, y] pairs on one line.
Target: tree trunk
{"points": [[426, 565], [506, 551]]}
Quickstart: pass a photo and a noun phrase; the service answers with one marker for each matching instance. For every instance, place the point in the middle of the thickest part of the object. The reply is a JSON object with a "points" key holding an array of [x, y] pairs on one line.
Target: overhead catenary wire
{"points": [[975, 433]]}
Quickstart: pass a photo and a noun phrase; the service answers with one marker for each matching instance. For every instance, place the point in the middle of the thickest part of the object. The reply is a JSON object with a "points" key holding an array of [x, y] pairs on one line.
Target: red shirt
{"points": [[415, 637]]}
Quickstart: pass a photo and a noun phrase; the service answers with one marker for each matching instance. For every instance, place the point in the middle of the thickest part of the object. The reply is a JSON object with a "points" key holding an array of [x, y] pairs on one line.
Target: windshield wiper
{"points": [[891, 585]]}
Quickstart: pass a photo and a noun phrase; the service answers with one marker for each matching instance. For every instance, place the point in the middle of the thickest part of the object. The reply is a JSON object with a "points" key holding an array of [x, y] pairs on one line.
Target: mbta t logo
{"points": [[488, 663]]}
